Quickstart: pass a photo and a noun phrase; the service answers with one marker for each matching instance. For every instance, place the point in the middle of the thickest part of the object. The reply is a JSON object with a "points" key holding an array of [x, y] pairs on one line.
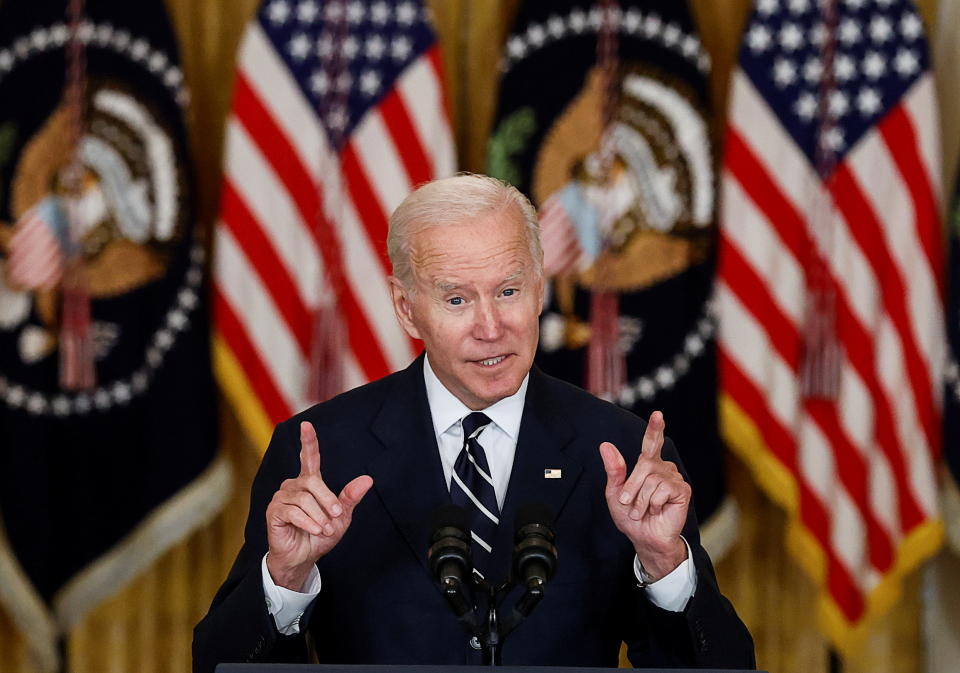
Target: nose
{"points": [[487, 323]]}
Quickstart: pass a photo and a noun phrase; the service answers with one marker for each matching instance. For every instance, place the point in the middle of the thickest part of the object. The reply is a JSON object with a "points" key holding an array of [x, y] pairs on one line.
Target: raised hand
{"points": [[305, 520], [650, 506]]}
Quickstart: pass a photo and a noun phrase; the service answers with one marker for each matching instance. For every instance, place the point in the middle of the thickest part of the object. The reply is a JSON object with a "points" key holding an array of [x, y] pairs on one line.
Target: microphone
{"points": [[449, 555], [534, 554]]}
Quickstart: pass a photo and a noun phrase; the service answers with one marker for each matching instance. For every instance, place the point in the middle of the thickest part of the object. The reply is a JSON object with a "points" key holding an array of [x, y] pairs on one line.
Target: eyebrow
{"points": [[447, 286]]}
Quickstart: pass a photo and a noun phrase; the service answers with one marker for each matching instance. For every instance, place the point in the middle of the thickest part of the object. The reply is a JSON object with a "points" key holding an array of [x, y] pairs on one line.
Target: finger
{"points": [[653, 436], [633, 483], [353, 492], [668, 491], [309, 449], [296, 517], [660, 497], [306, 501], [646, 489], [615, 467], [318, 489]]}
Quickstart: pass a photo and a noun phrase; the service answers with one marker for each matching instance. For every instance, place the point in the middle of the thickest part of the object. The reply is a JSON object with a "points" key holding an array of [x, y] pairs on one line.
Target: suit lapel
{"points": [[407, 474], [408, 477], [544, 436]]}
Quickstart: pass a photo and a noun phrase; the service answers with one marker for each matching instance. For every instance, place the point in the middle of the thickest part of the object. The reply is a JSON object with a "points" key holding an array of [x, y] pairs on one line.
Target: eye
{"points": [[455, 301], [509, 292]]}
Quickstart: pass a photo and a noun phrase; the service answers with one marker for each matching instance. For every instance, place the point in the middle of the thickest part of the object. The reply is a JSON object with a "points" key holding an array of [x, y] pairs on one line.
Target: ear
{"points": [[540, 295], [403, 307]]}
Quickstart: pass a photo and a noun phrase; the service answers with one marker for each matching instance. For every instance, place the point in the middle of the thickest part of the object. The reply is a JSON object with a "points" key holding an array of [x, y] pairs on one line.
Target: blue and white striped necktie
{"points": [[471, 487]]}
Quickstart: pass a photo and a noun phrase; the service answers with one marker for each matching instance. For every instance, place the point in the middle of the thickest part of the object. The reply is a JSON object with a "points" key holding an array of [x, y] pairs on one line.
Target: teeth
{"points": [[492, 361]]}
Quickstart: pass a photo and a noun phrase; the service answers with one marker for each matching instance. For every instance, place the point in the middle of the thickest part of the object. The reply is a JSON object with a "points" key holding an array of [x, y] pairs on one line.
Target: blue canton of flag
{"points": [[879, 51], [346, 55]]}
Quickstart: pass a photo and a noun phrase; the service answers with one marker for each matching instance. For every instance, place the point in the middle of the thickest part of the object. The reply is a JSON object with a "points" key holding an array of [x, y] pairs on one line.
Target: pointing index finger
{"points": [[309, 450], [653, 436]]}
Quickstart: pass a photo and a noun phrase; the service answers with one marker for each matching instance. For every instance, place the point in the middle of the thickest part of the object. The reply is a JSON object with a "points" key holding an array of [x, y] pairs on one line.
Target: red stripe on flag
{"points": [[276, 147], [844, 591], [365, 347], [750, 288], [368, 206], [778, 439], [864, 227], [859, 349], [898, 132], [781, 444], [404, 136], [752, 175], [273, 273], [235, 336], [858, 346], [278, 150], [782, 333], [854, 474]]}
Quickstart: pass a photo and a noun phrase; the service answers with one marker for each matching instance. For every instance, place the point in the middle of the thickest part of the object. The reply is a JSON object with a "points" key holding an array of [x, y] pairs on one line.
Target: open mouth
{"points": [[491, 362]]}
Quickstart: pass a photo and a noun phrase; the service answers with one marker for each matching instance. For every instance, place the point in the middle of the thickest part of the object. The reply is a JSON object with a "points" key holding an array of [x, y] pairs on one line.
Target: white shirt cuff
{"points": [[674, 590], [287, 607]]}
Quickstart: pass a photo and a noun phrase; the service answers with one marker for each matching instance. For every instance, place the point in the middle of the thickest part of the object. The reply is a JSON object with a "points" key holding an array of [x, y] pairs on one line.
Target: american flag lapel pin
{"points": [[552, 473]]}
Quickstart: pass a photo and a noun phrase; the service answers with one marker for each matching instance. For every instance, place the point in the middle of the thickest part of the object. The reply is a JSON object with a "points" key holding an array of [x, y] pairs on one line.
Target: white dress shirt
{"points": [[671, 592]]}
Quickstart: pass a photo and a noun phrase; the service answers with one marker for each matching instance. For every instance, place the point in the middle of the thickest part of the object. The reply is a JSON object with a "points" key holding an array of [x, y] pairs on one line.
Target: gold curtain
{"points": [[147, 626]]}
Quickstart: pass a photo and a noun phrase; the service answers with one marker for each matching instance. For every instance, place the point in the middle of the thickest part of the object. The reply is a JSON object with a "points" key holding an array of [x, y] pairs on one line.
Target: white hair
{"points": [[454, 200]]}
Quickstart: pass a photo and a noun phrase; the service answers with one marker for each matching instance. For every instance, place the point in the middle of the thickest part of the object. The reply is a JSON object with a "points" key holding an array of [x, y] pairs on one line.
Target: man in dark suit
{"points": [[338, 549]]}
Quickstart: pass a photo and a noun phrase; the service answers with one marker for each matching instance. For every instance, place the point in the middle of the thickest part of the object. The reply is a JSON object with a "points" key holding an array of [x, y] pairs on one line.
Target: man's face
{"points": [[476, 305]]}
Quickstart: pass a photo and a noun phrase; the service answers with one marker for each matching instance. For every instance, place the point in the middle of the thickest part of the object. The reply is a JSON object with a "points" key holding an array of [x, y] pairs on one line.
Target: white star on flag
{"points": [[784, 72], [874, 65], [880, 29]]}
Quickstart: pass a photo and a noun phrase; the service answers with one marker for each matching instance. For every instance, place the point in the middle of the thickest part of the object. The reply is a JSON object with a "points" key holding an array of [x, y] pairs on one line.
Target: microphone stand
{"points": [[492, 631], [492, 640], [535, 560]]}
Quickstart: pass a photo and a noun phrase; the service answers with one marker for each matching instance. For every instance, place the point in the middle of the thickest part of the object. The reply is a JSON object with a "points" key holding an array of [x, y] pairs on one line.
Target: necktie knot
{"points": [[473, 424]]}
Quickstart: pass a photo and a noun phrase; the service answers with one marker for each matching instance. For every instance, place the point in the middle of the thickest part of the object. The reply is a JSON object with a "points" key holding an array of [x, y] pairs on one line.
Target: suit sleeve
{"points": [[238, 627], [707, 634]]}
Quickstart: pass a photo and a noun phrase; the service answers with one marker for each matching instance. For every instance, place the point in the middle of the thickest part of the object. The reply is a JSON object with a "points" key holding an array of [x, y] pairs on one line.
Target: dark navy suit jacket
{"points": [[379, 603]]}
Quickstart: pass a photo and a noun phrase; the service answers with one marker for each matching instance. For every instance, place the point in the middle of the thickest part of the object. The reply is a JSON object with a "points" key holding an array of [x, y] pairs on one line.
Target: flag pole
{"points": [[606, 365], [76, 340]]}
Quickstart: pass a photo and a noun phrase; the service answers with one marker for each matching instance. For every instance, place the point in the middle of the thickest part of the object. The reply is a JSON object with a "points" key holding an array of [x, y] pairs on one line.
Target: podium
{"points": [[337, 668]]}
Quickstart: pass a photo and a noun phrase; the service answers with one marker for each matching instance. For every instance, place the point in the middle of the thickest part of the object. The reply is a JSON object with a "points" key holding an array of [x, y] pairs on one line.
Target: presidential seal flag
{"points": [[830, 292], [107, 452], [951, 403], [604, 120]]}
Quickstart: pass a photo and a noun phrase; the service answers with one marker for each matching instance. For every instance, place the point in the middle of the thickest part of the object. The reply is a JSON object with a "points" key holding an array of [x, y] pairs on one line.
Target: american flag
{"points": [[338, 113], [36, 256], [830, 190]]}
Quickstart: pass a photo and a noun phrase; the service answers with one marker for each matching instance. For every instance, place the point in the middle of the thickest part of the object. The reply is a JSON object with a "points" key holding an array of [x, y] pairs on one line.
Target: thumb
{"points": [[353, 492], [615, 467]]}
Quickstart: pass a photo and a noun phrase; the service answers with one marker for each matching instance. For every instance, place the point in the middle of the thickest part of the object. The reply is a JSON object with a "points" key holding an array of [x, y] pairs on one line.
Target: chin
{"points": [[503, 389]]}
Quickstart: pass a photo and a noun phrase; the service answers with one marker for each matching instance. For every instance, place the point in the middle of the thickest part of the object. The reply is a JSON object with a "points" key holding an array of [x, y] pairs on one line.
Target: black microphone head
{"points": [[534, 554], [449, 516], [536, 514], [449, 554]]}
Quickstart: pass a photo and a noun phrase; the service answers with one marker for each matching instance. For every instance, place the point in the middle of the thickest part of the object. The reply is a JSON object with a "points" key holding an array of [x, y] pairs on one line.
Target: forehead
{"points": [[493, 244]]}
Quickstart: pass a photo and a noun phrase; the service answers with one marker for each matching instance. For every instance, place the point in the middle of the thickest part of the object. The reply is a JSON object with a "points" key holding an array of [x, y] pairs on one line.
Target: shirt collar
{"points": [[447, 410]]}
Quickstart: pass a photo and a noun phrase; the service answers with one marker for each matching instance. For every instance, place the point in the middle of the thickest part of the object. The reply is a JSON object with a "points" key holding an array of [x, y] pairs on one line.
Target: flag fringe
{"points": [[27, 610], [193, 506], [236, 387], [743, 436]]}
